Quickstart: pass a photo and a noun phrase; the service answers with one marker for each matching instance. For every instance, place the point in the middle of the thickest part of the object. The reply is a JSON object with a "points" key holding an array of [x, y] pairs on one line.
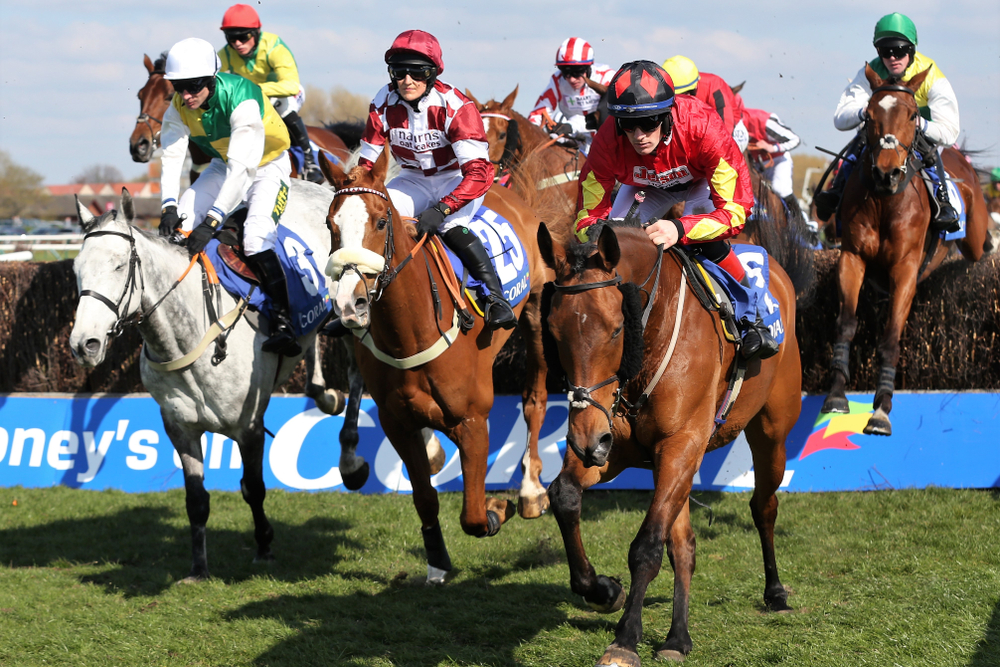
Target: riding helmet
{"points": [[683, 72], [640, 88], [575, 52], [191, 58], [895, 28]]}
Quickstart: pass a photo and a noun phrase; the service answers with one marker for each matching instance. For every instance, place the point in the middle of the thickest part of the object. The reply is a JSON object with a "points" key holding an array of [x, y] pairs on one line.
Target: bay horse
{"points": [[886, 236], [154, 98], [647, 394], [404, 319], [129, 276], [544, 173]]}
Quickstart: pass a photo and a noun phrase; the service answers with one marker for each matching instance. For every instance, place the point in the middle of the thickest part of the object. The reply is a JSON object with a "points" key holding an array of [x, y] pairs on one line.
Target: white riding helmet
{"points": [[191, 58]]}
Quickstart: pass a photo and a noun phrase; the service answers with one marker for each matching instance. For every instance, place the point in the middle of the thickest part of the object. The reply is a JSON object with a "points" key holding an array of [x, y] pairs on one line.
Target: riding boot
{"points": [[272, 280], [470, 250], [757, 340], [828, 201], [300, 137], [946, 219]]}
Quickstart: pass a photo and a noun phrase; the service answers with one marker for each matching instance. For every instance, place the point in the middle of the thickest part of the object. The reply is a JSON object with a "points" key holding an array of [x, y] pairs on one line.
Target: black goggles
{"points": [[895, 51], [240, 35], [415, 72], [191, 86], [646, 123], [574, 71]]}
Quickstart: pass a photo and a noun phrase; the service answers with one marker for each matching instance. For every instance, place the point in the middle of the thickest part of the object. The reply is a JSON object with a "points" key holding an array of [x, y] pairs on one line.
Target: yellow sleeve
{"points": [[283, 71]]}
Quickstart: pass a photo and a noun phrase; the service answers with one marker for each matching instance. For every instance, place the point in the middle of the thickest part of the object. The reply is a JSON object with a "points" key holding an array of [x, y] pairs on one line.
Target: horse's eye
{"points": [[617, 332], [503, 135], [914, 116]]}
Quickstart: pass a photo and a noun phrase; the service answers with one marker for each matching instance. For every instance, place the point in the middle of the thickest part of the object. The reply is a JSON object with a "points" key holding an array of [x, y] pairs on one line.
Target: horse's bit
{"points": [[145, 118]]}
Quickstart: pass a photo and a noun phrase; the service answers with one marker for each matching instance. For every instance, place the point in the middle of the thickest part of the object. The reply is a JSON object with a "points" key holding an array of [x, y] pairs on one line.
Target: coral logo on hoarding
{"points": [[834, 431]]}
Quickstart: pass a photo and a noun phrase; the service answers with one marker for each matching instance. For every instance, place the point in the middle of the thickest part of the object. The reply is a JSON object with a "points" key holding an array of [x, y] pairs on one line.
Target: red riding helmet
{"points": [[574, 52], [240, 16], [417, 43], [640, 88]]}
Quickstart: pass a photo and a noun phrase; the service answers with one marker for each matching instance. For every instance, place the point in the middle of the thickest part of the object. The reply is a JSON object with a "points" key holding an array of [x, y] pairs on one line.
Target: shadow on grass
{"points": [[149, 551], [988, 649], [468, 622]]}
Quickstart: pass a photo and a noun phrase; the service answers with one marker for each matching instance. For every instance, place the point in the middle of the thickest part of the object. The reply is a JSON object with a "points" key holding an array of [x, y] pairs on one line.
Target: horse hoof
{"points": [[355, 480], [331, 401], [670, 655], [616, 656], [836, 405], [611, 589], [878, 426], [529, 507], [435, 576], [264, 558], [193, 579]]}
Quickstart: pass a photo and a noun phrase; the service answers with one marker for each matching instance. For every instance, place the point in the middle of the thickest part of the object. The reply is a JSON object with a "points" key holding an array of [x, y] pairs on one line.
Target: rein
{"points": [[145, 118]]}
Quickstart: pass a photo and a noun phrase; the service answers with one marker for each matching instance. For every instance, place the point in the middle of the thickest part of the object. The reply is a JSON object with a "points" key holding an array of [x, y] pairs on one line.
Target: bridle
{"points": [[145, 118], [388, 272], [881, 144], [511, 144]]}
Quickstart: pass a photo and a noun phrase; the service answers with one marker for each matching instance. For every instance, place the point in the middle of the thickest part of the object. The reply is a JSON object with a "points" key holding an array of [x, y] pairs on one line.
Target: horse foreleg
{"points": [[681, 551], [902, 287], [851, 275], [253, 490], [481, 516], [188, 446], [353, 469], [533, 501], [330, 401]]}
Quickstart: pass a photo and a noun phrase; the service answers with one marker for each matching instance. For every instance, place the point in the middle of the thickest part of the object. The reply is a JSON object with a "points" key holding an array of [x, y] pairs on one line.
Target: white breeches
{"points": [[286, 105], [412, 193], [261, 195], [780, 174], [696, 200]]}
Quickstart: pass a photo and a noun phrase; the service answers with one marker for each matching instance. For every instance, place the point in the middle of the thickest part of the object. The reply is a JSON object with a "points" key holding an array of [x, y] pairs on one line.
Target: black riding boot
{"points": [[300, 137], [468, 247], [272, 280], [946, 219], [827, 201], [757, 340]]}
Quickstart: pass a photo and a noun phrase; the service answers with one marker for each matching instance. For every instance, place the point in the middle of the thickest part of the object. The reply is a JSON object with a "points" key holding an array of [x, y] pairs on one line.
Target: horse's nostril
{"points": [[605, 441], [92, 345], [360, 303]]}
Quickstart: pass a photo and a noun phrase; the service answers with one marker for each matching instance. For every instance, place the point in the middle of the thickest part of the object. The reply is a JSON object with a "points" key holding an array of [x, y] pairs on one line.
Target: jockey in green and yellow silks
{"points": [[264, 59], [230, 119]]}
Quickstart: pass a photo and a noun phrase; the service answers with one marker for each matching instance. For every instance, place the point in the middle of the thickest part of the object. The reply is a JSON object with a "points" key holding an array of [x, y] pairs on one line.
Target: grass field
{"points": [[894, 578]]}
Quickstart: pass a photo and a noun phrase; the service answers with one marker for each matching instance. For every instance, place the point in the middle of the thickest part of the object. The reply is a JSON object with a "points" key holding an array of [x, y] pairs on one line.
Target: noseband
{"points": [[145, 118], [876, 149]]}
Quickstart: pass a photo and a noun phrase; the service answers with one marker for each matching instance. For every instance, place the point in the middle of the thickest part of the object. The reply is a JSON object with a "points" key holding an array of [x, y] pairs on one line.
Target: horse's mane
{"points": [[350, 131], [160, 64]]}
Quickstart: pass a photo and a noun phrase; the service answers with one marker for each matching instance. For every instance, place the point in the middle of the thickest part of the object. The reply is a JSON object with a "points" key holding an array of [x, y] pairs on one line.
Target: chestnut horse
{"points": [[671, 373], [886, 213], [543, 172], [155, 97], [405, 320]]}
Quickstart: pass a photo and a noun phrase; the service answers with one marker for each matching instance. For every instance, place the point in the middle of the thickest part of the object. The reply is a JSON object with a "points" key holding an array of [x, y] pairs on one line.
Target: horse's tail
{"points": [[785, 236], [349, 131]]}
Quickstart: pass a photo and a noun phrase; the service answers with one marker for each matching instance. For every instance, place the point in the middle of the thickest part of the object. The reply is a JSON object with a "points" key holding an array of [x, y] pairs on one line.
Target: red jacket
{"points": [[716, 93], [699, 147]]}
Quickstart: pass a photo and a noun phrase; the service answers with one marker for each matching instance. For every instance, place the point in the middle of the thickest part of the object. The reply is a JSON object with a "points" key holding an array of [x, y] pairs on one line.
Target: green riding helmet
{"points": [[895, 26], [995, 175]]}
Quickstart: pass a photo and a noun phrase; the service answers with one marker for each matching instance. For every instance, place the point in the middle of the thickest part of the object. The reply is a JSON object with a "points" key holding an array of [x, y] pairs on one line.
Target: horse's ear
{"points": [[128, 207], [545, 246], [737, 88], [917, 80], [468, 93], [607, 247], [874, 80], [381, 166], [148, 63], [87, 219], [508, 102], [334, 174]]}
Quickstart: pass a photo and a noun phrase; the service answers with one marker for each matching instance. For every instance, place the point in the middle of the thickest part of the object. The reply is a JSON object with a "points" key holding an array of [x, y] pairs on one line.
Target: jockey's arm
{"points": [[174, 139], [597, 182], [283, 66], [245, 151], [781, 135], [853, 102], [468, 140], [547, 104], [943, 127]]}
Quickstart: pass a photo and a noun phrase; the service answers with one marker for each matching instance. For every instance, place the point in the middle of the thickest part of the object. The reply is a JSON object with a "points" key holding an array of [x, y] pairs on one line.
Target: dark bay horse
{"points": [[886, 213], [543, 172], [154, 98], [595, 332], [406, 319]]}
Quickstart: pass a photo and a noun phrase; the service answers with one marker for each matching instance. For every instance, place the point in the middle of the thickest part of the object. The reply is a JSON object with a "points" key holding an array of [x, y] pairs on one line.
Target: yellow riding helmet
{"points": [[684, 73]]}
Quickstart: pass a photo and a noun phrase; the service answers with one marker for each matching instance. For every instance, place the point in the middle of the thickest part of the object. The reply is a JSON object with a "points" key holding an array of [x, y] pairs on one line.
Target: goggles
{"points": [[647, 123], [575, 71], [896, 51], [191, 86], [415, 72], [238, 35]]}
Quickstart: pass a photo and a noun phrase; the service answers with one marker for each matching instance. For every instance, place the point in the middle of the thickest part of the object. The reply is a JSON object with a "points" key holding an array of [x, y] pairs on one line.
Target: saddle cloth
{"points": [[308, 298], [506, 252], [754, 302], [957, 202]]}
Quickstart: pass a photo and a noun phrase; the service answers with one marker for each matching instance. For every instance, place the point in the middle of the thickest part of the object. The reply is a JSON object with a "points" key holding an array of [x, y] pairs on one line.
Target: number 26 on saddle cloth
{"points": [[753, 302], [308, 298], [506, 252]]}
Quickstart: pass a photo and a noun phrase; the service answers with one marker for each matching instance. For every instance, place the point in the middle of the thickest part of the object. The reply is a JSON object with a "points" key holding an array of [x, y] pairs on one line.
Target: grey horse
{"points": [[123, 272]]}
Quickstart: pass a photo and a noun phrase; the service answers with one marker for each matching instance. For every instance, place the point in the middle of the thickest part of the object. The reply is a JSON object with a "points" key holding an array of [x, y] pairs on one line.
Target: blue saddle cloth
{"points": [[506, 252], [308, 297], [754, 302]]}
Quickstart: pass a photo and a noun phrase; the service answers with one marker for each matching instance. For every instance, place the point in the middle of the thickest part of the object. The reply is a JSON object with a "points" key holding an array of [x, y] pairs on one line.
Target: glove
{"points": [[429, 221], [562, 128], [169, 221], [593, 120], [201, 235]]}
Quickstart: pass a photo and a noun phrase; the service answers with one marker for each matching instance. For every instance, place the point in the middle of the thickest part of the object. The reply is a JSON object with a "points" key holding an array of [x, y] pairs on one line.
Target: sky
{"points": [[70, 70]]}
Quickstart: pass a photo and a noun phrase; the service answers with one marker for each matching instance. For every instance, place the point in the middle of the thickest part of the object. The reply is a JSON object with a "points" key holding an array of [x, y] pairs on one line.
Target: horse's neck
{"points": [[532, 136]]}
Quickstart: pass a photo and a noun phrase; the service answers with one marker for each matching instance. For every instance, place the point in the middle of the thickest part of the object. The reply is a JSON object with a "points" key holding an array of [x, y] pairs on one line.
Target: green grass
{"points": [[903, 578]]}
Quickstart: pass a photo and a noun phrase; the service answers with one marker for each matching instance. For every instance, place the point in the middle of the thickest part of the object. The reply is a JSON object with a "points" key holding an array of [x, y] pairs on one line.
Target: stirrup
{"points": [[757, 341], [312, 173], [282, 340], [499, 314], [946, 220]]}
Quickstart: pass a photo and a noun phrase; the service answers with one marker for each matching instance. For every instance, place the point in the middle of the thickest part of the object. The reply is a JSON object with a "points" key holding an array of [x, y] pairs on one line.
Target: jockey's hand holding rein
{"points": [[667, 232]]}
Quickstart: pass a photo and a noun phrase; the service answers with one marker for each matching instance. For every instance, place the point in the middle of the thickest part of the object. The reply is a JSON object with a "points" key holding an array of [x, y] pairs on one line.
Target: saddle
{"points": [[231, 248], [710, 294]]}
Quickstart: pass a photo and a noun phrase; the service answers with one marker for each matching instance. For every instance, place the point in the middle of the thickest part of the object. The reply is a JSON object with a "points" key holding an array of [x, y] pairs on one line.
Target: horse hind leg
{"points": [[197, 499], [330, 401], [253, 490]]}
